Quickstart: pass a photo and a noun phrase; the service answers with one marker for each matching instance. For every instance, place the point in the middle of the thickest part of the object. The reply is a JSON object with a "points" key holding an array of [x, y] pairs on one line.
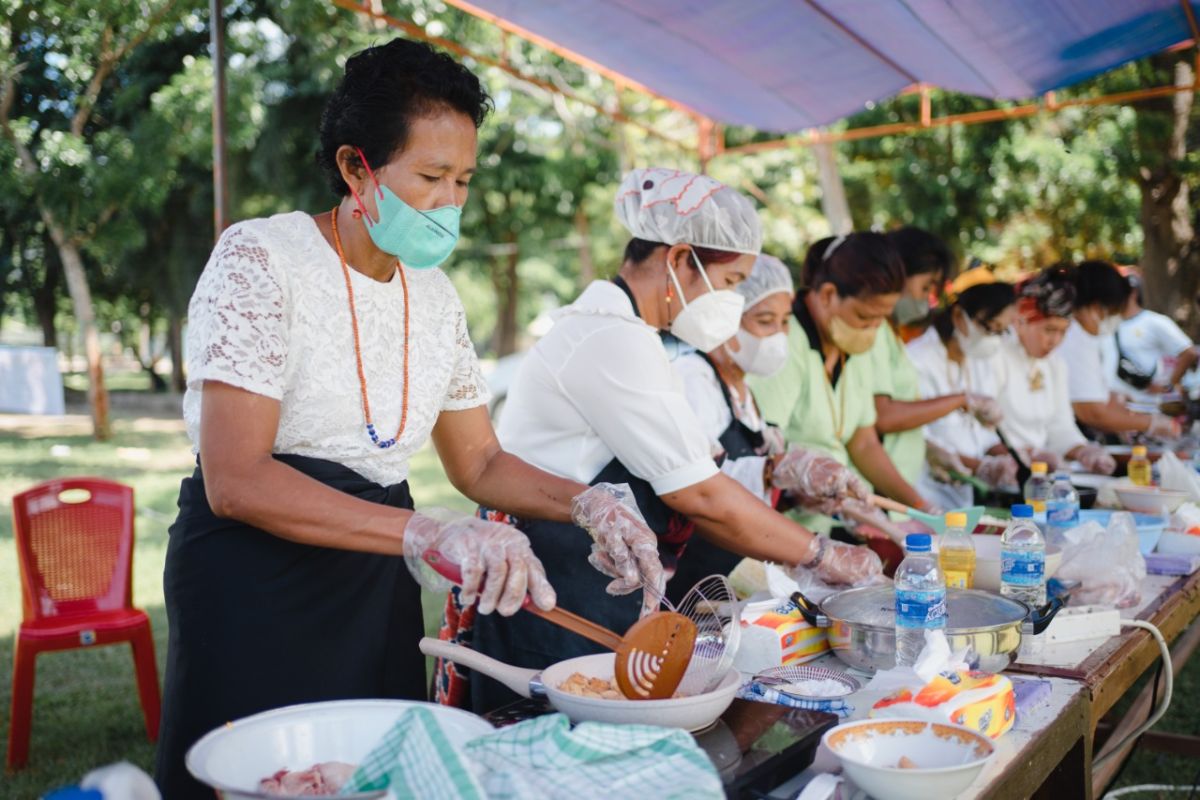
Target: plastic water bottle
{"points": [[1037, 488], [1023, 559], [920, 598], [1062, 509], [956, 552], [1139, 467]]}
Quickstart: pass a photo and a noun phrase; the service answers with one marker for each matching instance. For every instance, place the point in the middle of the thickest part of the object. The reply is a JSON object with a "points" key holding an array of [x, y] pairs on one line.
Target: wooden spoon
{"points": [[652, 656]]}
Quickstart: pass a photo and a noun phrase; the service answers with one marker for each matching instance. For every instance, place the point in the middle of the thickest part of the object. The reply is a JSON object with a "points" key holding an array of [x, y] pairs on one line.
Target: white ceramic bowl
{"points": [[1184, 543], [987, 561], [690, 713], [232, 759], [1150, 499], [947, 757]]}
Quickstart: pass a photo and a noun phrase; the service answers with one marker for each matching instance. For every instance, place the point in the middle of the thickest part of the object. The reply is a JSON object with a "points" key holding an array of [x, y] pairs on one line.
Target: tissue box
{"points": [[777, 637], [980, 701]]}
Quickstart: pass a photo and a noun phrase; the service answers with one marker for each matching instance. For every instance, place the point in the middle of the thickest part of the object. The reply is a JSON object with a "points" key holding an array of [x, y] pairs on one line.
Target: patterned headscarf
{"points": [[1046, 295]]}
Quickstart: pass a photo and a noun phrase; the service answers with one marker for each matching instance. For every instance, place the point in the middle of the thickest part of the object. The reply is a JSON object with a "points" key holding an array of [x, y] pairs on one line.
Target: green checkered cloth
{"points": [[539, 758]]}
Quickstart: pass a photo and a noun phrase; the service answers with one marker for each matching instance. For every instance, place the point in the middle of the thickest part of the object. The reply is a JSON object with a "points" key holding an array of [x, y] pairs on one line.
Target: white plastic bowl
{"points": [[947, 757], [987, 561], [233, 759], [1150, 499]]}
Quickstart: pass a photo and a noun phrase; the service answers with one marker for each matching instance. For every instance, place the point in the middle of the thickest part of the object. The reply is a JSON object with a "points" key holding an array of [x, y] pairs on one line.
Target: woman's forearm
{"points": [[893, 416], [727, 514], [516, 487], [869, 458]]}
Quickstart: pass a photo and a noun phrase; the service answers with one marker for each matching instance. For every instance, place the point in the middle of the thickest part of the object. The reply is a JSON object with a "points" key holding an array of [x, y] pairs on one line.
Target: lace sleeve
{"points": [[467, 388], [237, 318]]}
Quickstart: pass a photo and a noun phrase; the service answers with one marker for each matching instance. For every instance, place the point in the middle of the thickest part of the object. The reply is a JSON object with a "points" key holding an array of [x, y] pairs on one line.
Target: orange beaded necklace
{"points": [[362, 377]]}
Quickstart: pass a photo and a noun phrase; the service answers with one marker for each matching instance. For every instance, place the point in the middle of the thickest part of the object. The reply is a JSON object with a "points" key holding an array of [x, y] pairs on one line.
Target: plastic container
{"points": [[1140, 471], [1037, 488], [956, 553], [920, 598], [1062, 509], [1023, 559]]}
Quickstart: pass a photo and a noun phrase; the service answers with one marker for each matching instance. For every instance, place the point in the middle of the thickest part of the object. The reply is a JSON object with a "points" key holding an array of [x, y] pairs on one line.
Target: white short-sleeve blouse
{"points": [[270, 315]]}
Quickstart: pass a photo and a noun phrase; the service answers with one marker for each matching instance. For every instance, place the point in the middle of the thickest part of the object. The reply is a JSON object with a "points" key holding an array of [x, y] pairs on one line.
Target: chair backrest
{"points": [[75, 547]]}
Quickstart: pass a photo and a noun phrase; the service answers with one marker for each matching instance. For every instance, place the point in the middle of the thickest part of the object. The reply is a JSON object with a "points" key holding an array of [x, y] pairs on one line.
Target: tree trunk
{"points": [[1170, 263], [504, 281], [175, 347], [85, 318]]}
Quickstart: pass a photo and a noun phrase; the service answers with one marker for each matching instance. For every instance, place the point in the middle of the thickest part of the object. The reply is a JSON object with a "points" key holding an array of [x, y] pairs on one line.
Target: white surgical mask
{"points": [[760, 356], [710, 319], [1109, 325], [977, 343]]}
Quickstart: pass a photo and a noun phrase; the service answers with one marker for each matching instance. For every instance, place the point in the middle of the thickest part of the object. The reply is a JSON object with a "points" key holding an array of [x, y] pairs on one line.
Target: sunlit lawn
{"points": [[86, 712]]}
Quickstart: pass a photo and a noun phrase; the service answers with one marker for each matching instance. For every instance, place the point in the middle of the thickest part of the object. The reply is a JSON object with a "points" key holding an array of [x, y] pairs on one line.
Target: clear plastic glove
{"points": [[866, 521], [841, 563], [1095, 460], [1047, 457], [623, 547], [1163, 427], [818, 482], [942, 462], [774, 442], [997, 471], [985, 409], [497, 564]]}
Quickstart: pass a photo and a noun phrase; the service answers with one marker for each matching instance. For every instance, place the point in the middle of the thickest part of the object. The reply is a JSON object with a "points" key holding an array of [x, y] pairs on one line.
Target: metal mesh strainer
{"points": [[712, 605]]}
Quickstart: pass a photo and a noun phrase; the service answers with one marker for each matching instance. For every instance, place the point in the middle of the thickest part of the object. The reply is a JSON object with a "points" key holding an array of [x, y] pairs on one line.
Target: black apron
{"points": [[703, 558], [258, 622]]}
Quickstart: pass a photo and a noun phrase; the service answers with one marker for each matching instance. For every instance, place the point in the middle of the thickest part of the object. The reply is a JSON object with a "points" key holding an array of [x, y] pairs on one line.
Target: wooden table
{"points": [[1111, 669]]}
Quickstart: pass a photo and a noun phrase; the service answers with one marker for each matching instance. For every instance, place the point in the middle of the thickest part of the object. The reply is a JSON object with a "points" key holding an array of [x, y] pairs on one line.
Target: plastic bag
{"points": [[1107, 563], [1177, 476]]}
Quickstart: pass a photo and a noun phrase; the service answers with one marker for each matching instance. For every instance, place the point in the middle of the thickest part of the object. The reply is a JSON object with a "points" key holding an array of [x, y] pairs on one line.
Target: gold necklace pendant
{"points": [[1037, 381]]}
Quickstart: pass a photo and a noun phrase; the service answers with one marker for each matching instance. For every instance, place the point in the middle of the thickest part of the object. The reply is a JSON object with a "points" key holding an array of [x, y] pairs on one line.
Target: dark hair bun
{"points": [[384, 89]]}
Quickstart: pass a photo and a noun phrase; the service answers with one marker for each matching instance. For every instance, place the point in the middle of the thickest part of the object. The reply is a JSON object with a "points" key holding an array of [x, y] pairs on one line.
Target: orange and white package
{"points": [[777, 638], [980, 701]]}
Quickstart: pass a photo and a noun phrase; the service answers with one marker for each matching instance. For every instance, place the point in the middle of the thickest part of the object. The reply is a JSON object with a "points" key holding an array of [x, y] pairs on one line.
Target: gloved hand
{"points": [[866, 521], [1095, 460], [942, 462], [498, 565], [838, 563], [997, 471], [818, 482], [1163, 427], [985, 409], [623, 547], [1047, 457], [773, 441]]}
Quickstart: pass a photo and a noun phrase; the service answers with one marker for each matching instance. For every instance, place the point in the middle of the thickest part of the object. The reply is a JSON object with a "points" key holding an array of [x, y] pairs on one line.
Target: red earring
{"points": [[356, 213]]}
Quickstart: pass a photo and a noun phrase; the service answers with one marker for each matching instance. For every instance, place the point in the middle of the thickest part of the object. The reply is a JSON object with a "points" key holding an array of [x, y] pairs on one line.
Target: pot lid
{"points": [[875, 606]]}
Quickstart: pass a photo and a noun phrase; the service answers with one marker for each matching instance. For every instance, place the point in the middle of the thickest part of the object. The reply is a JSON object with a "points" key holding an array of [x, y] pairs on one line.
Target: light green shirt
{"points": [[893, 375], [801, 402]]}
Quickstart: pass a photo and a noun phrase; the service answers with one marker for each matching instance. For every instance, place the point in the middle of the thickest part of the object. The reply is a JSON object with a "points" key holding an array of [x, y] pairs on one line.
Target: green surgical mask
{"points": [[420, 239], [911, 310]]}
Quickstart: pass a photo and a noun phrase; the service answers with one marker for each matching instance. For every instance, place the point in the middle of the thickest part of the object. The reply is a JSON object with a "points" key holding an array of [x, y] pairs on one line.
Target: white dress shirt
{"points": [[1033, 395], [1083, 354], [598, 386]]}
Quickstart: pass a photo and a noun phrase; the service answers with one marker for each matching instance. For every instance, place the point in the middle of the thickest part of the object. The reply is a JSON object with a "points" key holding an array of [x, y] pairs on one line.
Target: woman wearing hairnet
{"points": [[752, 451], [598, 399]]}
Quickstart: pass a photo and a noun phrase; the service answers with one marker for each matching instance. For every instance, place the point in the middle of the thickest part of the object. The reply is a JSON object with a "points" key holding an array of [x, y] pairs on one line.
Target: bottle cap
{"points": [[1139, 450], [1022, 511], [918, 543], [956, 519], [1038, 467], [1062, 475]]}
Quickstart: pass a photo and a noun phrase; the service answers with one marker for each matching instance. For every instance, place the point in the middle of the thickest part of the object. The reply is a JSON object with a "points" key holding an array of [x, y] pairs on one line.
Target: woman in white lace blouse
{"points": [[323, 352]]}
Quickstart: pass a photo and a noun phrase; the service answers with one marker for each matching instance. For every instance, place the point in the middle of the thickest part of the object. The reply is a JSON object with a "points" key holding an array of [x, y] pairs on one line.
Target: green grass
{"points": [[86, 712]]}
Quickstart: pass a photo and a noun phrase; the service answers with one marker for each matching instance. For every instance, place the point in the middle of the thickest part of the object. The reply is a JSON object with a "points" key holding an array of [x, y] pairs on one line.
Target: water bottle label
{"points": [[1022, 567], [921, 609], [1062, 514]]}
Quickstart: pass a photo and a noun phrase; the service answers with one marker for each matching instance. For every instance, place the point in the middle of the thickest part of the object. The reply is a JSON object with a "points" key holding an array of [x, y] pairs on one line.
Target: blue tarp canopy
{"points": [[785, 65]]}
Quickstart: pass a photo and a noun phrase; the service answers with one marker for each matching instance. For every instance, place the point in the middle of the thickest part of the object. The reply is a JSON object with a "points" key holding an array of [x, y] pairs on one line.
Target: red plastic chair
{"points": [[75, 548]]}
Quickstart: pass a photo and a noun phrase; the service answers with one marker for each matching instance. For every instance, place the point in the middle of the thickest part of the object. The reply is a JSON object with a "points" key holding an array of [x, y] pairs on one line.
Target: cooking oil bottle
{"points": [[1139, 466], [956, 553], [1037, 488]]}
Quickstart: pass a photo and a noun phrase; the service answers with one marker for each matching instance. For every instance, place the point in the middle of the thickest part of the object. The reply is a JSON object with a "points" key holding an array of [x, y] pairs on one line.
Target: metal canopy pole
{"points": [[216, 29]]}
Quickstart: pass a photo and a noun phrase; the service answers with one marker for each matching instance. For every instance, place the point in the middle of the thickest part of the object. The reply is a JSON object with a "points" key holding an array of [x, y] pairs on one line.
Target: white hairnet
{"points": [[769, 275], [673, 207]]}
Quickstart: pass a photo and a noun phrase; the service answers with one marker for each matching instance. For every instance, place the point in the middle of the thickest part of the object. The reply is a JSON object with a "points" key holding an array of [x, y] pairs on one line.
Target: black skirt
{"points": [[258, 622]]}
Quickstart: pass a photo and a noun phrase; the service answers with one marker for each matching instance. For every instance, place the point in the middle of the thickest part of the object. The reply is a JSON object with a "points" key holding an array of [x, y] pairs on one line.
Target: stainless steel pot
{"points": [[861, 625]]}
